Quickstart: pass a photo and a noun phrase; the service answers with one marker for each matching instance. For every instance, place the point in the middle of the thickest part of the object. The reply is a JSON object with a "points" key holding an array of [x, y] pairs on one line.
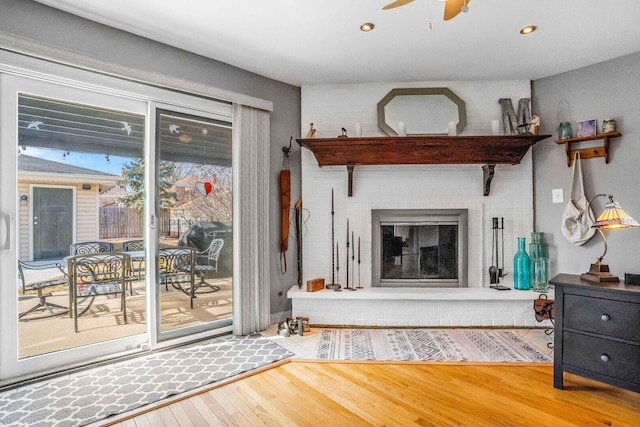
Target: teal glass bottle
{"points": [[538, 263], [521, 267]]}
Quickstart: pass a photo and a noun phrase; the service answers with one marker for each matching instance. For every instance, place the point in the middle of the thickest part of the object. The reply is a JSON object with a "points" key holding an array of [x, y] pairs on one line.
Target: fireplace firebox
{"points": [[419, 247]]}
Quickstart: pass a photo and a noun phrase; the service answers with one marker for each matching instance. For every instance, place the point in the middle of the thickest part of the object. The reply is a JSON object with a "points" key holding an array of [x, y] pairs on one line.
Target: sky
{"points": [[84, 160]]}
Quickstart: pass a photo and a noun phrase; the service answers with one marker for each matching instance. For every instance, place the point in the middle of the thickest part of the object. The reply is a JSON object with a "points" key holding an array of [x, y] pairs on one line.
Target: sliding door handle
{"points": [[7, 223]]}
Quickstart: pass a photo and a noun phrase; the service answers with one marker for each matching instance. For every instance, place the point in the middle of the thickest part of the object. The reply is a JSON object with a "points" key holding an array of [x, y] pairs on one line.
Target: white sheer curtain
{"points": [[251, 308]]}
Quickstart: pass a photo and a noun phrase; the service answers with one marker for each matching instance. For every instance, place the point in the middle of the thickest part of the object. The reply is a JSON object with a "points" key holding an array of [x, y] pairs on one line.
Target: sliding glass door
{"points": [[194, 202], [86, 173], [62, 150]]}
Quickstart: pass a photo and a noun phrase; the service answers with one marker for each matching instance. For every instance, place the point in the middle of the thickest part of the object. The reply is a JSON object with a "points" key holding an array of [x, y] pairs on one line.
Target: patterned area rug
{"points": [[473, 345], [96, 394]]}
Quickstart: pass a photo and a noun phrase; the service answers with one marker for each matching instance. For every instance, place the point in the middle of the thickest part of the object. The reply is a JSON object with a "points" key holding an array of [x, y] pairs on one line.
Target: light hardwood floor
{"points": [[303, 393]]}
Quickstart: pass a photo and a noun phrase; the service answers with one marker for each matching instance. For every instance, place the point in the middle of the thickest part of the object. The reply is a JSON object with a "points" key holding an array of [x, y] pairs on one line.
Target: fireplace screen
{"points": [[419, 248]]}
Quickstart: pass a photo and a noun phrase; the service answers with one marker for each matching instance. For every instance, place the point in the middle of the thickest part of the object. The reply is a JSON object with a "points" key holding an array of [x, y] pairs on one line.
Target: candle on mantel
{"points": [[347, 233], [402, 129]]}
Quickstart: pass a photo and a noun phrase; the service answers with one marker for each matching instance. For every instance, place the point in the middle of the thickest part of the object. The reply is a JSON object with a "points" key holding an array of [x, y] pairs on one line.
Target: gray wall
{"points": [[60, 29], [606, 90]]}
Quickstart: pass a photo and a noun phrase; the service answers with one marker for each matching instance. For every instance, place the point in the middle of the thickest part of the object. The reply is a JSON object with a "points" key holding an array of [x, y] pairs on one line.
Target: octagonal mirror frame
{"points": [[438, 91]]}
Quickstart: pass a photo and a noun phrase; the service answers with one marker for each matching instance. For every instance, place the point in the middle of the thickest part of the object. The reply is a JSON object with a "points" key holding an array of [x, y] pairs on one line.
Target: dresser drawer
{"points": [[602, 316], [610, 358]]}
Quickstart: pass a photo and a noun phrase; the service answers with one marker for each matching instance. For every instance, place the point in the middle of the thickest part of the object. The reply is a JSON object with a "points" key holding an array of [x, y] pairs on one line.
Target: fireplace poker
{"points": [[501, 272], [496, 231], [498, 272], [493, 269]]}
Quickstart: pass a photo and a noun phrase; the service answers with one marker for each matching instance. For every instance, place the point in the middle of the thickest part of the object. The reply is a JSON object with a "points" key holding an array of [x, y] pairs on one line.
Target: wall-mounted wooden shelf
{"points": [[591, 152], [488, 150]]}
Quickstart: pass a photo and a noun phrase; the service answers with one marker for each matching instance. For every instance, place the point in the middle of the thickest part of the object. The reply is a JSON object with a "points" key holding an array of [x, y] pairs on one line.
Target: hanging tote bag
{"points": [[577, 217]]}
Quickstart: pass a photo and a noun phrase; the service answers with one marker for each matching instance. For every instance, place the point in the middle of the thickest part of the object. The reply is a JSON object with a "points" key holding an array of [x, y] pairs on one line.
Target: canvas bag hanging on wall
{"points": [[576, 218]]}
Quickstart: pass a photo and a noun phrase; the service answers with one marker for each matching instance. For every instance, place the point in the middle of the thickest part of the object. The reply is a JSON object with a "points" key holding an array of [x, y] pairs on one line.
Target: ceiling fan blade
{"points": [[396, 3], [453, 7]]}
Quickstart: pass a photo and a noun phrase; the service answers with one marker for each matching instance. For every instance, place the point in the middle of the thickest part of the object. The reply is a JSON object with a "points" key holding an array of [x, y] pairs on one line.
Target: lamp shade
{"points": [[613, 217]]}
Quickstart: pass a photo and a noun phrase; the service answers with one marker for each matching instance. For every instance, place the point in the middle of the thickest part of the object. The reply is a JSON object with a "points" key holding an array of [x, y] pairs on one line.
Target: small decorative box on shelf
{"points": [[315, 285]]}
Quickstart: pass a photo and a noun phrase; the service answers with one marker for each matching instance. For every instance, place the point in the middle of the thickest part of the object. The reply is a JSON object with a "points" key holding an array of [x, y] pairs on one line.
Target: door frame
{"points": [[11, 365]]}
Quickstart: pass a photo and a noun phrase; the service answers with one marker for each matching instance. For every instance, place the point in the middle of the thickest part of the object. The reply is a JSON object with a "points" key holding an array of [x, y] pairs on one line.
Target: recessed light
{"points": [[528, 29], [366, 27]]}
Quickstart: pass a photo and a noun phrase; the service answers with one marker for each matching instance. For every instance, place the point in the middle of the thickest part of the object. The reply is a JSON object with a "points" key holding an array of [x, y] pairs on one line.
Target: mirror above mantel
{"points": [[423, 111]]}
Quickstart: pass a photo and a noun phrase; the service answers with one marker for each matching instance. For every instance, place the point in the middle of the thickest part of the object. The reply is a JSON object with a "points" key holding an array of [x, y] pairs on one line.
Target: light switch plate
{"points": [[557, 195]]}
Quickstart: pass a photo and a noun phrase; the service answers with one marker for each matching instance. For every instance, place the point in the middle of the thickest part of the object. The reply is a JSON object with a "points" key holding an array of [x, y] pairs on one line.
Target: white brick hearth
{"points": [[403, 307]]}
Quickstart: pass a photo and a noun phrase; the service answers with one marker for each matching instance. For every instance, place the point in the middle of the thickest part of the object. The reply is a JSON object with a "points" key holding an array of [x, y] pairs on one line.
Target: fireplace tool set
{"points": [[496, 271], [335, 257]]}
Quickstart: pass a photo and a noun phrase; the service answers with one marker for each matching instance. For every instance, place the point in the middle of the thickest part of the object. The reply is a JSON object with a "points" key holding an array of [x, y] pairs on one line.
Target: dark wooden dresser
{"points": [[597, 331]]}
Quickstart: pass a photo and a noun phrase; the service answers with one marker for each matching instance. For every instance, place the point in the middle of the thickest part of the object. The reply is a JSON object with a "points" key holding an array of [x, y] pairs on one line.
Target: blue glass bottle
{"points": [[521, 268]]}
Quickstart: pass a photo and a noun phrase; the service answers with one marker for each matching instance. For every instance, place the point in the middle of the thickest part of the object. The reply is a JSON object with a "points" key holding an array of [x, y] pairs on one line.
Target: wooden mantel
{"points": [[488, 150]]}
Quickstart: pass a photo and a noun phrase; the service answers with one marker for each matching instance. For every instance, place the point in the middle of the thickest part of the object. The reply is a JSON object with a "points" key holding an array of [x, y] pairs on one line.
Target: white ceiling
{"points": [[319, 41]]}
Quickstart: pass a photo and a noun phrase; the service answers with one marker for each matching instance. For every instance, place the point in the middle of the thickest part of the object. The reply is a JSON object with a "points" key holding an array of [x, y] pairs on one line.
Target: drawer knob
{"points": [[604, 357], [605, 317]]}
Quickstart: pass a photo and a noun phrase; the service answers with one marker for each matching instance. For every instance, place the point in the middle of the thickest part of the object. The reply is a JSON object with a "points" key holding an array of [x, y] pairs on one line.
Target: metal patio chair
{"points": [[42, 288], [176, 267], [207, 263], [93, 275], [137, 260], [81, 248]]}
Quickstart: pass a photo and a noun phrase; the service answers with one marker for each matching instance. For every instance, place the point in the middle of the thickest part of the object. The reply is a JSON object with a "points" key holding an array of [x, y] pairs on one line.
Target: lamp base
{"points": [[599, 273]]}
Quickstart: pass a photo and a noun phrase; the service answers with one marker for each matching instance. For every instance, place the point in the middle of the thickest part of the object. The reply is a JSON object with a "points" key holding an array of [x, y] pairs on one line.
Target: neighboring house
{"points": [[58, 206], [110, 196]]}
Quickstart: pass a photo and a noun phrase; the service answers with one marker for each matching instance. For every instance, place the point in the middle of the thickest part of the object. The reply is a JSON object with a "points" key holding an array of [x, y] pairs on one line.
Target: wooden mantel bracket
{"points": [[487, 176], [350, 167]]}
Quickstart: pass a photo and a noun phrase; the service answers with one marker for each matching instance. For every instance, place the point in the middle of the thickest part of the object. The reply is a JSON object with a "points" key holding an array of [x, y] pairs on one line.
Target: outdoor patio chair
{"points": [[133, 245], [209, 256], [93, 275], [137, 262], [40, 286], [176, 267], [82, 248]]}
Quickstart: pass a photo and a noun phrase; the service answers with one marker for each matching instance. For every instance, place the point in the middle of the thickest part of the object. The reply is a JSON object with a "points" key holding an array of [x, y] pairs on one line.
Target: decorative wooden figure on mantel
{"points": [[535, 125], [312, 132]]}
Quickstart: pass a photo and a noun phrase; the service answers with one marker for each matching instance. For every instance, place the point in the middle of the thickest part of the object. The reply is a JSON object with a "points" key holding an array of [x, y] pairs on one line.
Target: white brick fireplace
{"points": [[332, 107]]}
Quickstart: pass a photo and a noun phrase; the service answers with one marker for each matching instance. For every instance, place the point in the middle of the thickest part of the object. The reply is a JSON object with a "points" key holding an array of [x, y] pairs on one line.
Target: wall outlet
{"points": [[557, 195]]}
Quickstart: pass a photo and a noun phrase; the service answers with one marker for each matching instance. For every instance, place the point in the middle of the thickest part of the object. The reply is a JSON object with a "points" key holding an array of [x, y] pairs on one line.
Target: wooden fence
{"points": [[118, 222]]}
